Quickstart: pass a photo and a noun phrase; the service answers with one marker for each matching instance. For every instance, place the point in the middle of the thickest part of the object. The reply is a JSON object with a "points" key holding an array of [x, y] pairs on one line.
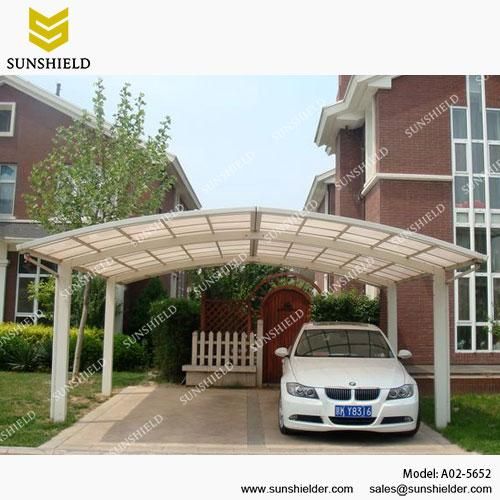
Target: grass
{"points": [[21, 393], [475, 421]]}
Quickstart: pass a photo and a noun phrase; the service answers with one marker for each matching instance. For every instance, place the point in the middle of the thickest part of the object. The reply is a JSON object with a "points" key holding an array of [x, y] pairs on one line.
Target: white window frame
{"points": [[11, 165], [6, 106]]}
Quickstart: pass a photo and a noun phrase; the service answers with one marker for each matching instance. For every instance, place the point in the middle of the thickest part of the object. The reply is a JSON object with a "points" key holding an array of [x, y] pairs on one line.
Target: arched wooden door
{"points": [[284, 311]]}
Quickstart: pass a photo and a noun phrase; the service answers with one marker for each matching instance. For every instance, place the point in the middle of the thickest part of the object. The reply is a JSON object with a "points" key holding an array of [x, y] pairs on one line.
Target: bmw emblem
{"points": [[352, 384]]}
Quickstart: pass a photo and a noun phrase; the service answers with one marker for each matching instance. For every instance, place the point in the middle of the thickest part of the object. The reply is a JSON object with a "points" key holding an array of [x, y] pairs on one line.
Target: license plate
{"points": [[348, 411]]}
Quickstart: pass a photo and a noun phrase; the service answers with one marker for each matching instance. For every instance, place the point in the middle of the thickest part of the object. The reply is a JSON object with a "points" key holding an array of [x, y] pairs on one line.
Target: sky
{"points": [[242, 140]]}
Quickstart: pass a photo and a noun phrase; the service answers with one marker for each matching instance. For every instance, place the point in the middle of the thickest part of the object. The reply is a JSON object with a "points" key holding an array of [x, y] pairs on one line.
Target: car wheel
{"points": [[414, 431], [281, 422]]}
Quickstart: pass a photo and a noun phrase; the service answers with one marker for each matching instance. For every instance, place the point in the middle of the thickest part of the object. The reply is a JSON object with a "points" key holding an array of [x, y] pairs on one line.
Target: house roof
{"points": [[75, 112], [318, 186], [350, 111], [137, 248]]}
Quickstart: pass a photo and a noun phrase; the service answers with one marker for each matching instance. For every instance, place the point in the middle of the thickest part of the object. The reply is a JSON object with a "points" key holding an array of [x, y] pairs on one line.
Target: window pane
{"points": [[464, 338], [496, 298], [479, 218], [459, 124], [463, 237], [477, 157], [26, 267], [462, 217], [494, 192], [6, 198], [463, 299], [7, 173], [495, 218], [460, 157], [481, 298], [495, 250], [476, 106], [24, 305], [482, 338], [461, 192], [480, 244], [479, 198], [495, 159], [493, 121], [5, 118]]}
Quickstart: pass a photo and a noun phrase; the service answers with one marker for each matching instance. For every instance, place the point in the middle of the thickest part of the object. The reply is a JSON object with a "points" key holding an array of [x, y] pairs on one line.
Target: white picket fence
{"points": [[216, 349]]}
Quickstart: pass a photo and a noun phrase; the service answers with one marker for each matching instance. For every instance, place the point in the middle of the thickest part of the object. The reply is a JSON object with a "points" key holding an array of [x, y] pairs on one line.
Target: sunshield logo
{"points": [[48, 33]]}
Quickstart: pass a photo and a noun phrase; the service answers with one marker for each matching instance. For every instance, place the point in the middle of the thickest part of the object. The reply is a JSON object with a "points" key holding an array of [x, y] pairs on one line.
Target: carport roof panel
{"points": [[132, 249]]}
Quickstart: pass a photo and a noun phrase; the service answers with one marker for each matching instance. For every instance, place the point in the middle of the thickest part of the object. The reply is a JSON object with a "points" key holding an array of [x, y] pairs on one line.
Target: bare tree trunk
{"points": [[81, 329]]}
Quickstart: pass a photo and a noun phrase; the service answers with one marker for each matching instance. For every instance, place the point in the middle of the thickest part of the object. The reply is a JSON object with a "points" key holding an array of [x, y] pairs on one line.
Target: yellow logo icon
{"points": [[49, 32]]}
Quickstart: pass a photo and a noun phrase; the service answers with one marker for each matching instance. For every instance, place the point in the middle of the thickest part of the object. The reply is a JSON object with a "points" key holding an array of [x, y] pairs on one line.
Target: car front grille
{"points": [[366, 394], [353, 420], [338, 393]]}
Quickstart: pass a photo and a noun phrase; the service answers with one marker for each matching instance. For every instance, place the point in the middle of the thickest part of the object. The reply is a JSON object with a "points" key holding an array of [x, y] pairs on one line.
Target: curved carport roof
{"points": [[133, 249]]}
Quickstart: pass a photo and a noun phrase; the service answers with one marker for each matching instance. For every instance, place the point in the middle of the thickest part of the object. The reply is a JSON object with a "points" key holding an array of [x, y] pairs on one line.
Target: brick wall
{"points": [[343, 83]]}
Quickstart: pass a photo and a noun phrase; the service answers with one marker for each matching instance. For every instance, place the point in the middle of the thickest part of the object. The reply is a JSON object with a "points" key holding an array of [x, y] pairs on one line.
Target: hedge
{"points": [[345, 306], [172, 337], [29, 348]]}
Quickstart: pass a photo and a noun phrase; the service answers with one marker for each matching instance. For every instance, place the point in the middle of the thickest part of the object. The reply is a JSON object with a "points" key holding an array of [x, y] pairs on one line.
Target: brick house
{"points": [[423, 153], [29, 117]]}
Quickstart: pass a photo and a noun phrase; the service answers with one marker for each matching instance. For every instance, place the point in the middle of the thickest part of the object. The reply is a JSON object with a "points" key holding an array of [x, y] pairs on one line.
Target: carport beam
{"points": [[60, 345], [392, 316], [441, 350], [109, 331]]}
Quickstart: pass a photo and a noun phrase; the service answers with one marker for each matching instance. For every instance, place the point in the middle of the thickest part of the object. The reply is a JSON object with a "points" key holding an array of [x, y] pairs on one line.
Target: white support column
{"points": [[441, 351], [60, 345], [260, 350], [392, 316], [3, 277], [109, 327]]}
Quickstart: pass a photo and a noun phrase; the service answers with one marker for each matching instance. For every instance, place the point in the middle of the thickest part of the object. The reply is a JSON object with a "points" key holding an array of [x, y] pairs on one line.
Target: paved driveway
{"points": [[152, 419]]}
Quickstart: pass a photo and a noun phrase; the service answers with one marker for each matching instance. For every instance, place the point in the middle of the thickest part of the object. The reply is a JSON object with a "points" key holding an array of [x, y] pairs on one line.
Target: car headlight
{"points": [[405, 391], [301, 391]]}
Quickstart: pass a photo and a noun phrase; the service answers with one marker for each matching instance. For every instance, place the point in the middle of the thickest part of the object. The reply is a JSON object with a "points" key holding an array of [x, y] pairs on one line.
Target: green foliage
{"points": [[172, 338], [345, 306], [226, 283], [44, 293], [98, 172], [29, 348]]}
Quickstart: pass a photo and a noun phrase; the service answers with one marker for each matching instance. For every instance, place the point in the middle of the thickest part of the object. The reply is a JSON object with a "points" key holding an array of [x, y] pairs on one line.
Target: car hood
{"points": [[340, 372]]}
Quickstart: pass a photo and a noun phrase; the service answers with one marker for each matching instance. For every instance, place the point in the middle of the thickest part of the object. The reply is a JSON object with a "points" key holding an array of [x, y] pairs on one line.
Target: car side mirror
{"points": [[281, 352], [404, 354]]}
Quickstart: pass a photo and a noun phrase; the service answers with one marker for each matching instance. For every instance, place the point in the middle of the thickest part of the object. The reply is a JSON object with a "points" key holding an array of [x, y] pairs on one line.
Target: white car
{"points": [[345, 376]]}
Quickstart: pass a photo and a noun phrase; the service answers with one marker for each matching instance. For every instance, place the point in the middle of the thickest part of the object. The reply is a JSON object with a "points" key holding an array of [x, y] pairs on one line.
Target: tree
{"points": [[98, 172]]}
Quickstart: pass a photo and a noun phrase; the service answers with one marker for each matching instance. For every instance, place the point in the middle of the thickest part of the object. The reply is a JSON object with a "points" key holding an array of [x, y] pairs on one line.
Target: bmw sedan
{"points": [[345, 376]]}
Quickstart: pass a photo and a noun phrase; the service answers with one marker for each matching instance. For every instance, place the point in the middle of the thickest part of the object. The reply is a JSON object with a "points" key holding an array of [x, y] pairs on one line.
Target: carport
{"points": [[134, 249]]}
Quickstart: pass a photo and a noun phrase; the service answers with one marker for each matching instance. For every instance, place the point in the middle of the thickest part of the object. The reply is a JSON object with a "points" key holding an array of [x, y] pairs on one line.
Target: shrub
{"points": [[172, 338], [345, 306], [29, 348]]}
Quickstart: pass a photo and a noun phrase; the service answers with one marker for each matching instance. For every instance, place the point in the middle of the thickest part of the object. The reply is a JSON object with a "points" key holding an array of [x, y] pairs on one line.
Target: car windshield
{"points": [[339, 343]]}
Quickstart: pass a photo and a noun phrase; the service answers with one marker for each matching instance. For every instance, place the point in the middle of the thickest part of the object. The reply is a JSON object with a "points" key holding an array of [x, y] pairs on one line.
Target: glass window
{"points": [[463, 237], [494, 192], [495, 218], [493, 121], [477, 157], [459, 123], [480, 244], [495, 250], [494, 159], [343, 344], [481, 298], [496, 298], [24, 304], [476, 106], [464, 338], [461, 157], [479, 198], [479, 218], [462, 217], [461, 192], [482, 335], [463, 299], [7, 188], [6, 118]]}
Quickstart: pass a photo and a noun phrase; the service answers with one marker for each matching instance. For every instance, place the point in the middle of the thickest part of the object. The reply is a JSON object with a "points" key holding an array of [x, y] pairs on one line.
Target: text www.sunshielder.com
{"points": [[381, 489]]}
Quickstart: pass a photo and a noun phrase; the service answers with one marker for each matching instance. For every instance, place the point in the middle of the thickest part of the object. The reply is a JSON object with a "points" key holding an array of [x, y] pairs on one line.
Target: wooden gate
{"points": [[284, 311]]}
